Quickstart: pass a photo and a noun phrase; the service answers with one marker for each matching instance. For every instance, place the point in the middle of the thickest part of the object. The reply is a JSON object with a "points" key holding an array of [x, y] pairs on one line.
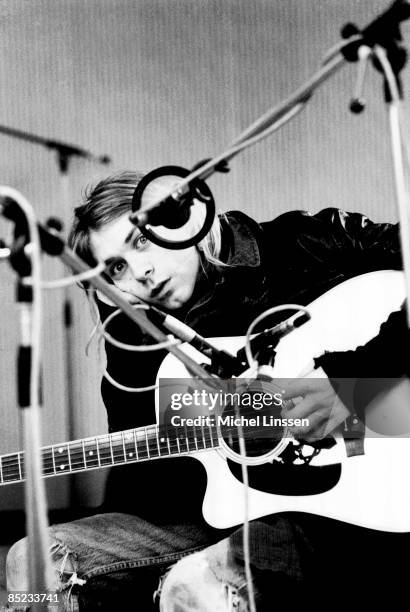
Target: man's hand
{"points": [[315, 400], [128, 297]]}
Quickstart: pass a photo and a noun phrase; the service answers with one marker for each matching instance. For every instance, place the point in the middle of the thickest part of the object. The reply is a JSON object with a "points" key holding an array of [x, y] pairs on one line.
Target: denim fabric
{"points": [[119, 561], [214, 579], [207, 581], [94, 559]]}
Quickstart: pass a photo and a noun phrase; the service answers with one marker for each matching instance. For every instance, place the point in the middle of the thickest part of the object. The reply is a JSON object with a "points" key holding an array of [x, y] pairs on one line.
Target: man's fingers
{"points": [[302, 409], [296, 387]]}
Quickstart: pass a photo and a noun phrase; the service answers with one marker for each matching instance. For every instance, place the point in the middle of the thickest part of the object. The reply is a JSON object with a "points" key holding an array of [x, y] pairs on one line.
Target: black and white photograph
{"points": [[204, 281]]}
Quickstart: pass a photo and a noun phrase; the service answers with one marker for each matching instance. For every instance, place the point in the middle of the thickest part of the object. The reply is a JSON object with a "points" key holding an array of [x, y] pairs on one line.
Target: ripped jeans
{"points": [[108, 561], [119, 561]]}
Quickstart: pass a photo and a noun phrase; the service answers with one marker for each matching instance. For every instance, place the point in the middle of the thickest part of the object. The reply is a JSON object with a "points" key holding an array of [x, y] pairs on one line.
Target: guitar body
{"points": [[372, 489]]}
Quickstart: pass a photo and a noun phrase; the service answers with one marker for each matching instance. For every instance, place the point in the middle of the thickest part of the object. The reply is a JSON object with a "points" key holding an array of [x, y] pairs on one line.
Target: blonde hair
{"points": [[111, 198]]}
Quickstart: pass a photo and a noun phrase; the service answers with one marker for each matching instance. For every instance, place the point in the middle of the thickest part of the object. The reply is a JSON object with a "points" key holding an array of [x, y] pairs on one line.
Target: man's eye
{"points": [[140, 241], [117, 269]]}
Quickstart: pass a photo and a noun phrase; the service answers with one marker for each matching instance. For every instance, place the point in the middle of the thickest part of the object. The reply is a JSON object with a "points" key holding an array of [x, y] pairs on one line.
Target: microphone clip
{"points": [[383, 31], [174, 211]]}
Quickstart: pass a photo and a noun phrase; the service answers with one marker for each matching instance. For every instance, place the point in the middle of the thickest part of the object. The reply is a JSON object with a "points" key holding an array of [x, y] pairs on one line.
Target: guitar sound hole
{"points": [[261, 430]]}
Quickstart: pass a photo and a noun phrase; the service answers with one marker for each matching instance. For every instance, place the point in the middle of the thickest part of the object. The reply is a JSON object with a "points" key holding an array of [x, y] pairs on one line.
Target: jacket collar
{"points": [[240, 246], [222, 285]]}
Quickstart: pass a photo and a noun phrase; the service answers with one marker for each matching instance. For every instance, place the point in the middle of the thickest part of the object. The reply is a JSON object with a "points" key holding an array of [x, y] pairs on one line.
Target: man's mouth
{"points": [[159, 290]]}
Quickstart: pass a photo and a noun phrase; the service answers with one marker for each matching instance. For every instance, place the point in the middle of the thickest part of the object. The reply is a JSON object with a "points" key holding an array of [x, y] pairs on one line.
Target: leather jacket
{"points": [[293, 258]]}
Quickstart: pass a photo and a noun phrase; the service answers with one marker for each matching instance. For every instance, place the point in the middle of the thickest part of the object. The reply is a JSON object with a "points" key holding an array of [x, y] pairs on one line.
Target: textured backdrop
{"points": [[152, 82]]}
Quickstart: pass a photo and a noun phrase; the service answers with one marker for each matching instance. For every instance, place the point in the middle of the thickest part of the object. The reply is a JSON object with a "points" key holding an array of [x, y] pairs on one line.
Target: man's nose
{"points": [[142, 270]]}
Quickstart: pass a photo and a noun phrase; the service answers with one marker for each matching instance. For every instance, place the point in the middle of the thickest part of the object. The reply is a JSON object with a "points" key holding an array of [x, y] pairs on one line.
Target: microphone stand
{"points": [[64, 154], [40, 575], [53, 244], [64, 150], [382, 36], [384, 30], [393, 94], [25, 263]]}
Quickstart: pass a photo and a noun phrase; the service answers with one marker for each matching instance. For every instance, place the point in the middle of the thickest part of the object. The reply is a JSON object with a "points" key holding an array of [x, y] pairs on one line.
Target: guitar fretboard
{"points": [[130, 446]]}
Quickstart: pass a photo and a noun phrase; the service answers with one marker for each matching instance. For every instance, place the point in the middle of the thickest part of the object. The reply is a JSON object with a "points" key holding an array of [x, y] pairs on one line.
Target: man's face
{"points": [[143, 270]]}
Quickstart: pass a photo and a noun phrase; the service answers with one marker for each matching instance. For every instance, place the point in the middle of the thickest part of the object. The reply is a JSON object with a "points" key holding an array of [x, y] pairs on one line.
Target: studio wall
{"points": [[154, 82]]}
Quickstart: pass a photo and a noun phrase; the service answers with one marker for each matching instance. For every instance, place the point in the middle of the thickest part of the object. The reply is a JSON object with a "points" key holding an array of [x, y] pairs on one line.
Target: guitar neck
{"points": [[130, 446]]}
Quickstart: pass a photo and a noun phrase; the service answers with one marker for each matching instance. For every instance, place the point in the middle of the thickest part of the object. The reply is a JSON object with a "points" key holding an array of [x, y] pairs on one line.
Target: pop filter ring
{"points": [[198, 189]]}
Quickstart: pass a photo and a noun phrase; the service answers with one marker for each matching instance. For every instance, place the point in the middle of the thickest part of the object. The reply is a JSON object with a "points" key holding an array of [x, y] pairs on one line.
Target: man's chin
{"points": [[173, 302]]}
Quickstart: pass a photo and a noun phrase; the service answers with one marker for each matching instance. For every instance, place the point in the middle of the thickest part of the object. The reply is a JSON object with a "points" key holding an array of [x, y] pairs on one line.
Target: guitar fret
{"points": [[129, 446], [146, 440], [203, 438], [189, 443], [197, 440], [61, 459], [156, 437], [69, 458], [19, 464], [75, 458], [135, 444], [117, 448], [104, 450], [141, 445], [54, 460], [181, 438], [111, 450], [91, 460], [153, 443], [83, 451], [210, 439], [138, 444], [163, 442], [123, 446], [98, 452]]}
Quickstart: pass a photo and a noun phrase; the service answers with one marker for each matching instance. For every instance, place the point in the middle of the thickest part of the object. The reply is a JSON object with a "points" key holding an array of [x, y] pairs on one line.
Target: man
{"points": [[152, 514]]}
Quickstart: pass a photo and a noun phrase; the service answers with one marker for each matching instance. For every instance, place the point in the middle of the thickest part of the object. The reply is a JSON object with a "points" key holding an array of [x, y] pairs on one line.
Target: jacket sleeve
{"points": [[359, 376], [384, 356], [127, 409], [359, 245], [141, 488], [333, 244], [344, 240]]}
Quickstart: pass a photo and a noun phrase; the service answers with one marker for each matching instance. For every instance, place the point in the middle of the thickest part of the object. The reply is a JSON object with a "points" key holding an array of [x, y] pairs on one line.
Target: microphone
{"points": [[283, 329], [222, 363], [266, 341], [174, 210]]}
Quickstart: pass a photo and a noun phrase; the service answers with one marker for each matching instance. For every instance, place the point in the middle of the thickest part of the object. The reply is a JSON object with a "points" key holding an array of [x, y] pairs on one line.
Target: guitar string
{"points": [[119, 438], [105, 446], [103, 443]]}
